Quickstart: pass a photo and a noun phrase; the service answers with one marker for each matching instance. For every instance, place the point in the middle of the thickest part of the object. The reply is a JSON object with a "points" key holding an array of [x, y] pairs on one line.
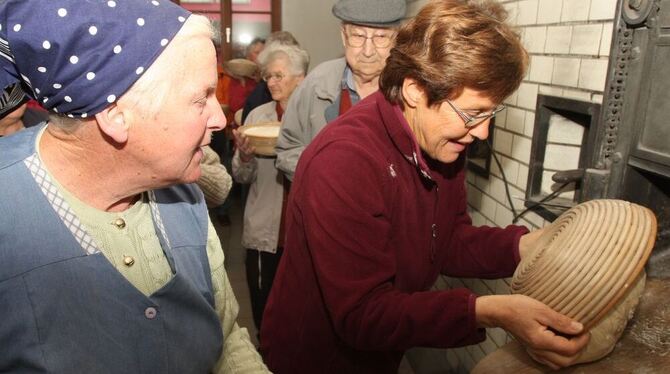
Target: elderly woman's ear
{"points": [[112, 122], [412, 93]]}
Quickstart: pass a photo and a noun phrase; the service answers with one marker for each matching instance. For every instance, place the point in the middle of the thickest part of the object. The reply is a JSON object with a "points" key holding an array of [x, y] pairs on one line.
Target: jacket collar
{"points": [[329, 85], [401, 135]]}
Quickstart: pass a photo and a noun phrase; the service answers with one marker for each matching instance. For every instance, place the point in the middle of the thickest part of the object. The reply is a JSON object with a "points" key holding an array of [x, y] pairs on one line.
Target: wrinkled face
{"points": [[281, 82], [441, 132], [168, 144], [366, 49]]}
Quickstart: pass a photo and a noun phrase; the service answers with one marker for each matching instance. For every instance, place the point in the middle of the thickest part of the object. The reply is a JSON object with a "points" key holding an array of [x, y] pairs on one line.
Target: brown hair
{"points": [[453, 44]]}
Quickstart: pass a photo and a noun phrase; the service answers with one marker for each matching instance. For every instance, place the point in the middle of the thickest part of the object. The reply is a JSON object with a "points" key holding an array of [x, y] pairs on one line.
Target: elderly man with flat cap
{"points": [[368, 31], [108, 261]]}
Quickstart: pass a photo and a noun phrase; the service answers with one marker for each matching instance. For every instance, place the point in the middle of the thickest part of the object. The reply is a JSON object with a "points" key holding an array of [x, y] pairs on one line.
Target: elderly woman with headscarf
{"points": [[378, 210], [109, 261], [283, 68]]}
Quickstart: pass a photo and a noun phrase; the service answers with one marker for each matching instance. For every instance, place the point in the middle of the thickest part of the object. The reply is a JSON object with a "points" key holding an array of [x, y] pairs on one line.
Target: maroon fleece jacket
{"points": [[371, 223]]}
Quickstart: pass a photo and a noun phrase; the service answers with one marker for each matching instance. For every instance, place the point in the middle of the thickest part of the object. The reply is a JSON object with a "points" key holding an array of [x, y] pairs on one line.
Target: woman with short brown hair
{"points": [[378, 210]]}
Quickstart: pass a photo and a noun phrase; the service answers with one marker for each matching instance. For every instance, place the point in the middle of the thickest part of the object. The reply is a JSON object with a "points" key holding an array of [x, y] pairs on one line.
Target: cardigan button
{"points": [[150, 312], [119, 223], [128, 260]]}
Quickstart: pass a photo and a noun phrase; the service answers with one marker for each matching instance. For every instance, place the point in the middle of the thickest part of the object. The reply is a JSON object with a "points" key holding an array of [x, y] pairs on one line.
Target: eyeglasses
{"points": [[277, 76], [356, 39], [472, 121]]}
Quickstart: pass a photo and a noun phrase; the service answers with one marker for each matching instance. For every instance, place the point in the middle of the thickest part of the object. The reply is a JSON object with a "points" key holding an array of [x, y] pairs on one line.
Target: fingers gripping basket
{"points": [[588, 258], [263, 136]]}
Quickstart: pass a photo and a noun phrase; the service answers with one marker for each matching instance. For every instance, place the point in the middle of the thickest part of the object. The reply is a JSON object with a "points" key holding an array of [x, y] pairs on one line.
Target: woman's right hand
{"points": [[243, 146], [549, 337]]}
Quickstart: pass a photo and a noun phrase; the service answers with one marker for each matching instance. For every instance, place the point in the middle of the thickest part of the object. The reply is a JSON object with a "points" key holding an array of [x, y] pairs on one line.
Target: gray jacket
{"points": [[304, 116], [262, 212]]}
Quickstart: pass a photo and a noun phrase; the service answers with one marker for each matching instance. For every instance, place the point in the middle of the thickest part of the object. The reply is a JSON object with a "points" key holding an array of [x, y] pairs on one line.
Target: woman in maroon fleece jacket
{"points": [[378, 210]]}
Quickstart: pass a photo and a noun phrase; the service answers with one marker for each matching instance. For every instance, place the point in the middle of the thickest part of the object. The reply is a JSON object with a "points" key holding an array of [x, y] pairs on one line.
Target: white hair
{"points": [[297, 57], [150, 91]]}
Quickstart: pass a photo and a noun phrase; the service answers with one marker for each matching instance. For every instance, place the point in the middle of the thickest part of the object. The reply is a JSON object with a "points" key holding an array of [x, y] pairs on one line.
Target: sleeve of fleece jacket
{"points": [[343, 210], [482, 252]]}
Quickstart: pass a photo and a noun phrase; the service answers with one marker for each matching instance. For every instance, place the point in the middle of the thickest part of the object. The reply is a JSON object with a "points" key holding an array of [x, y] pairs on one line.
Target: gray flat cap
{"points": [[373, 13]]}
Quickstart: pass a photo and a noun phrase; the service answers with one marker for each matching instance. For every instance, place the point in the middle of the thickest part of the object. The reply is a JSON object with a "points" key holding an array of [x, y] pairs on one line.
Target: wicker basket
{"points": [[263, 136]]}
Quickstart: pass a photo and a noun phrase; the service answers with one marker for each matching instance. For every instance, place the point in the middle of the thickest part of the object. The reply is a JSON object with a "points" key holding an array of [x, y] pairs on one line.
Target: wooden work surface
{"points": [[644, 347]]}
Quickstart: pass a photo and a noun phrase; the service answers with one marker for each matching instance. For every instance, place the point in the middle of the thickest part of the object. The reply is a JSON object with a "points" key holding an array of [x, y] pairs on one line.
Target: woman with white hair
{"points": [[283, 68], [109, 261]]}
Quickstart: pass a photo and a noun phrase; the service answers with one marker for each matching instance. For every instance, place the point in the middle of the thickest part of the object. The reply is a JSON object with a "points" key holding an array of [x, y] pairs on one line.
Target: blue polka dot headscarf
{"points": [[78, 56]]}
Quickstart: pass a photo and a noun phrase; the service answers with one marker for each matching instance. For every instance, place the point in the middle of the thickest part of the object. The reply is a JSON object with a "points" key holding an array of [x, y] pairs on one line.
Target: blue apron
{"points": [[65, 309]]}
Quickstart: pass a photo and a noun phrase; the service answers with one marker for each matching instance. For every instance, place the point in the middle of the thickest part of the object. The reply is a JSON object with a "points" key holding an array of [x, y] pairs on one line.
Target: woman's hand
{"points": [[549, 337], [243, 146]]}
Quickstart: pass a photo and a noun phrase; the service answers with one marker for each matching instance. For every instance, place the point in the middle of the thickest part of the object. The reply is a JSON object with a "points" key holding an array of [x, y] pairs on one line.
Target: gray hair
{"points": [[297, 57], [281, 37]]}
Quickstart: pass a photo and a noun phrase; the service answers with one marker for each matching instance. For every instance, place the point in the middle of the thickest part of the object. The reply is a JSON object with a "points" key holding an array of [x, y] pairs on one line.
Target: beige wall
{"points": [[315, 27]]}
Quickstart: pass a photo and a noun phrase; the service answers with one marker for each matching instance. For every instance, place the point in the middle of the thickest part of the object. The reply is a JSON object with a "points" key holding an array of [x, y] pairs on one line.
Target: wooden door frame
{"points": [[227, 25]]}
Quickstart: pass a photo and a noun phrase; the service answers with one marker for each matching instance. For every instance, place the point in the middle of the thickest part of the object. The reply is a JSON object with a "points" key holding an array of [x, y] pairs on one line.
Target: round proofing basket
{"points": [[585, 261], [263, 136]]}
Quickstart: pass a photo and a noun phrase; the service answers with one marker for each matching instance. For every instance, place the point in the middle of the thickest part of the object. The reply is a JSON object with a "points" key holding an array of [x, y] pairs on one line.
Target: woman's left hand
{"points": [[244, 146]]}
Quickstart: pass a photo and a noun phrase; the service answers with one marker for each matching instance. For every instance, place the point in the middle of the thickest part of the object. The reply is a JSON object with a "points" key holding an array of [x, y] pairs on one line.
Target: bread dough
{"points": [[263, 131], [606, 333]]}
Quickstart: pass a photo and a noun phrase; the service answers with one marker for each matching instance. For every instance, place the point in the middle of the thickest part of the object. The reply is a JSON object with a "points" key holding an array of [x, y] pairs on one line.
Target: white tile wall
{"points": [[566, 71], [558, 39], [521, 149], [575, 10], [511, 100], [482, 183], [516, 119], [534, 38], [488, 207], [602, 10], [561, 157], [518, 197], [501, 120], [549, 11], [597, 98], [530, 124], [497, 190], [606, 41], [551, 90], [502, 141], [522, 179], [577, 95], [527, 12], [513, 12], [586, 39], [541, 69], [510, 167], [475, 198], [592, 74], [527, 95], [503, 216], [563, 130]]}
